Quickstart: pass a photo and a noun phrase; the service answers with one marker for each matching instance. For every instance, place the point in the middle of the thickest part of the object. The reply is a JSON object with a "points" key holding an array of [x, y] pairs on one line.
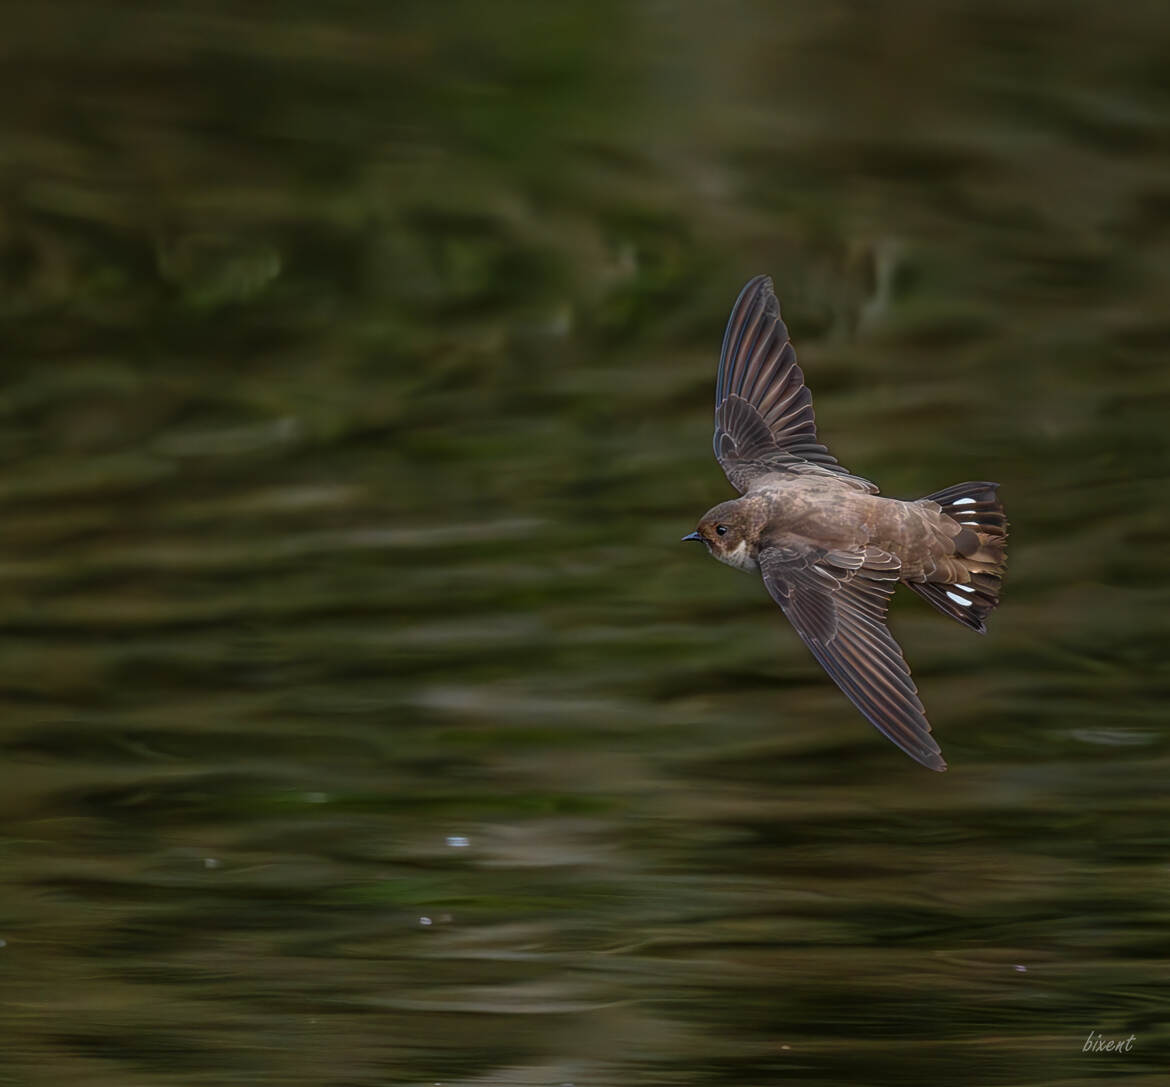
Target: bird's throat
{"points": [[742, 557]]}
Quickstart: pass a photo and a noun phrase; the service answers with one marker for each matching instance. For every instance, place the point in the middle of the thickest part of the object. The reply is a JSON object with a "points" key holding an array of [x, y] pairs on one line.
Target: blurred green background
{"points": [[364, 721]]}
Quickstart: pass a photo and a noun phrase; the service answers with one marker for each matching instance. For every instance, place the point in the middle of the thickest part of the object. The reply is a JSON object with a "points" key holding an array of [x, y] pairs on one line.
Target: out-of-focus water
{"points": [[364, 721]]}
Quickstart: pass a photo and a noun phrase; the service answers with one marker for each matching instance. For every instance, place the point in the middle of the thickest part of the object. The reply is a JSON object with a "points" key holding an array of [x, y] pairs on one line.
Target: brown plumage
{"points": [[829, 549]]}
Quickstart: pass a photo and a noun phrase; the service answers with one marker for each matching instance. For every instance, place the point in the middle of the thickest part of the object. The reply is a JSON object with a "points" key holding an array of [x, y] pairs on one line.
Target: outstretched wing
{"points": [[837, 601], [763, 411]]}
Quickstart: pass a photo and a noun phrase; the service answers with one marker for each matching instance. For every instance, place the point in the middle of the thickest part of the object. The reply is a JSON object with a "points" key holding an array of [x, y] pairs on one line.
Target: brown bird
{"points": [[829, 549]]}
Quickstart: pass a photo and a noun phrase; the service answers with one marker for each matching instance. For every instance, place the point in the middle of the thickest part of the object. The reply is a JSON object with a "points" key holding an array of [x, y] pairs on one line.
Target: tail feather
{"points": [[981, 550]]}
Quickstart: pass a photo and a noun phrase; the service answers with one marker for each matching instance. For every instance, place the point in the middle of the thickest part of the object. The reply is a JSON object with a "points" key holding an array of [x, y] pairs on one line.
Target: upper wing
{"points": [[763, 411], [837, 601]]}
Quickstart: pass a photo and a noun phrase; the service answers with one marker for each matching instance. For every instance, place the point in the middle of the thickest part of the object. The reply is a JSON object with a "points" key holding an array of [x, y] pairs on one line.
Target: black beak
{"points": [[692, 536]]}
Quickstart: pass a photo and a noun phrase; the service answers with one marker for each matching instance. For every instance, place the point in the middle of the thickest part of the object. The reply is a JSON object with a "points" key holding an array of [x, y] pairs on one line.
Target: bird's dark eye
{"points": [[721, 530]]}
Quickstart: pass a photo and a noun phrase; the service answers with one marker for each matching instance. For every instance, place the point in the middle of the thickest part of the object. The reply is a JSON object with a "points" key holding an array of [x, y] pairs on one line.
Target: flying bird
{"points": [[829, 549]]}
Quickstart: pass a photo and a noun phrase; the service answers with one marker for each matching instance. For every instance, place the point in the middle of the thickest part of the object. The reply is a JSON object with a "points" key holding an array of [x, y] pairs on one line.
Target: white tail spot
{"points": [[965, 588], [973, 524], [963, 502], [959, 599]]}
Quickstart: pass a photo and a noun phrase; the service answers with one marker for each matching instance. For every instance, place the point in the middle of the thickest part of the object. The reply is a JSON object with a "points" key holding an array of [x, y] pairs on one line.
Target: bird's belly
{"points": [[907, 530], [845, 519], [831, 517]]}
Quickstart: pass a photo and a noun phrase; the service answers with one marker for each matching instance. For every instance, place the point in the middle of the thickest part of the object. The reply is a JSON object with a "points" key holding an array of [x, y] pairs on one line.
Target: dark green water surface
{"points": [[363, 720]]}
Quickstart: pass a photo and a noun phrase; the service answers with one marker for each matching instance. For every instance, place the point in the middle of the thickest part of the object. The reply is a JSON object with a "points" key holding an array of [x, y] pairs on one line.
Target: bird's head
{"points": [[725, 530]]}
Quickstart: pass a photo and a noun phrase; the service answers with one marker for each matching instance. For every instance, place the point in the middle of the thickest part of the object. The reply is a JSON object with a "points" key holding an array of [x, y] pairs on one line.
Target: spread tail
{"points": [[980, 548]]}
